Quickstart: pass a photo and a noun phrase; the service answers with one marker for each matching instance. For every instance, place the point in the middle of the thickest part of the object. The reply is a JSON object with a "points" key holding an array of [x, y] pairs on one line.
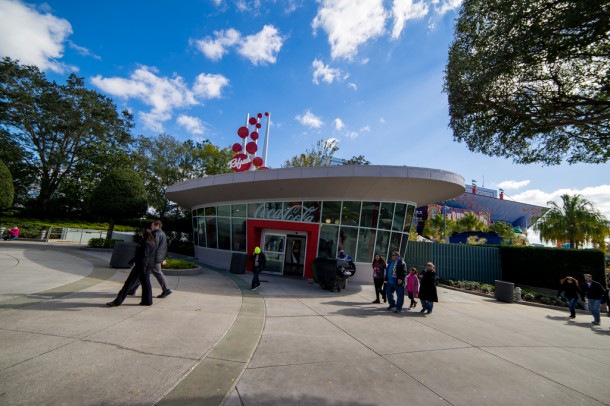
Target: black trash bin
{"points": [[328, 278], [122, 253], [504, 291], [238, 263]]}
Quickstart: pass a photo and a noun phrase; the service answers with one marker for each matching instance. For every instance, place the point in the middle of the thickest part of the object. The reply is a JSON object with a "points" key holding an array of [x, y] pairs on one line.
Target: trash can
{"points": [[326, 268], [504, 291], [238, 263], [122, 253]]}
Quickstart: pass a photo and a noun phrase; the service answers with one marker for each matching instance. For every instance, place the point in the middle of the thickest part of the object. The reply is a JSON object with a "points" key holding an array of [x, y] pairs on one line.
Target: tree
{"points": [[6, 187], [119, 195], [530, 80], [320, 155], [470, 222], [576, 221], [356, 160], [68, 134], [164, 161]]}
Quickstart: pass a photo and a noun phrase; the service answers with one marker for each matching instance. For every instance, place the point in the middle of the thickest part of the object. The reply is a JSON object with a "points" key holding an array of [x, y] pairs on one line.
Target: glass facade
{"points": [[359, 228]]}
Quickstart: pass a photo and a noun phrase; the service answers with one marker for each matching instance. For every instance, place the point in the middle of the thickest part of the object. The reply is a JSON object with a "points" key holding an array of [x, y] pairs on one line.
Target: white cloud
{"points": [[405, 10], [215, 49], [324, 72], [365, 129], [262, 47], [310, 120], [598, 195], [339, 124], [31, 37], [443, 6], [349, 24], [352, 85], [382, 120], [259, 48], [83, 51], [352, 134], [192, 124], [513, 184], [162, 94]]}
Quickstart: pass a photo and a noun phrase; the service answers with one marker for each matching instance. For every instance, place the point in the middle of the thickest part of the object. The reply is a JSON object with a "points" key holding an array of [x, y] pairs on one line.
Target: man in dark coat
{"points": [[396, 275], [427, 288], [594, 292]]}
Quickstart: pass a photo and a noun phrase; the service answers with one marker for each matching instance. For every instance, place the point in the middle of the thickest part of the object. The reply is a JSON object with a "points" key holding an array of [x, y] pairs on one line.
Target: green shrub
{"points": [[183, 248], [173, 263]]}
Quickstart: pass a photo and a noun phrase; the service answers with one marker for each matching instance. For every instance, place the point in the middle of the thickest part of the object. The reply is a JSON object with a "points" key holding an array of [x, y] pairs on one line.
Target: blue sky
{"points": [[367, 73]]}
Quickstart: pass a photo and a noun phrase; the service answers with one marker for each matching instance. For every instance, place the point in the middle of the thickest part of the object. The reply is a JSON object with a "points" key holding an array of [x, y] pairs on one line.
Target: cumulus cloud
{"points": [[339, 124], [324, 72], [310, 120], [32, 37], [162, 94], [405, 10], [513, 184], [598, 195], [349, 24], [259, 48], [352, 85], [192, 124], [216, 48], [443, 6]]}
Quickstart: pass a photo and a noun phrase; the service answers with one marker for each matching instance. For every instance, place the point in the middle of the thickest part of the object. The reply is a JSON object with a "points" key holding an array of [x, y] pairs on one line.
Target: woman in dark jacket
{"points": [[144, 261], [571, 291], [378, 277], [427, 288]]}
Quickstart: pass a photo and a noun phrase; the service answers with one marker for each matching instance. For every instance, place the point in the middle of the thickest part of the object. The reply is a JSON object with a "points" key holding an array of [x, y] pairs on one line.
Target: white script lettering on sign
{"points": [[292, 213]]}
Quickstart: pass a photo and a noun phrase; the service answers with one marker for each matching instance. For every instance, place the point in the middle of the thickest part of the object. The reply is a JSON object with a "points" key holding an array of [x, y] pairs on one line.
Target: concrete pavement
{"points": [[213, 341]]}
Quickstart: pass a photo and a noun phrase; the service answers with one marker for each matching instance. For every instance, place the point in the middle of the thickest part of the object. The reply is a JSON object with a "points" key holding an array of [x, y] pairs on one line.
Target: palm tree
{"points": [[576, 221], [470, 222]]}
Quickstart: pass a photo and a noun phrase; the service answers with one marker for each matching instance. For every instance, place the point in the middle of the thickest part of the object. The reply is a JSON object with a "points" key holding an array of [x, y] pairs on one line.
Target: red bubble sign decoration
{"points": [[245, 158]]}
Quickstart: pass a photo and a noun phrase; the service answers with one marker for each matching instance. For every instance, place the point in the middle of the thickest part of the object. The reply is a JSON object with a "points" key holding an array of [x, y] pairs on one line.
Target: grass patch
{"points": [[173, 263]]}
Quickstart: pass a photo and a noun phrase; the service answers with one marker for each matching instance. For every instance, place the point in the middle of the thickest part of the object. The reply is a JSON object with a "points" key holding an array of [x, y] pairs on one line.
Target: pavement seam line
{"points": [[225, 373]]}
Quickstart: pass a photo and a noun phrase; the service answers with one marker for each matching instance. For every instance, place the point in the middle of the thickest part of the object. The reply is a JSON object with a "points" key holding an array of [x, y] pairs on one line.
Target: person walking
{"points": [[594, 292], [396, 273], [427, 288], [413, 287], [379, 277], [571, 291], [144, 262], [160, 254], [259, 261]]}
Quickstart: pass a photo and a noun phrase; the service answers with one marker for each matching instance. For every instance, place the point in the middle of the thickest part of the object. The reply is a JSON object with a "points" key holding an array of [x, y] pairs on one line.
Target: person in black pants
{"points": [[571, 291], [379, 277], [258, 265], [595, 292], [144, 261]]}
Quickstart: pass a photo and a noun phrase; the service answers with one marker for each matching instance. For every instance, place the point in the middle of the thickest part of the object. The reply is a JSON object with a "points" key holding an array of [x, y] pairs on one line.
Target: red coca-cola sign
{"points": [[240, 163]]}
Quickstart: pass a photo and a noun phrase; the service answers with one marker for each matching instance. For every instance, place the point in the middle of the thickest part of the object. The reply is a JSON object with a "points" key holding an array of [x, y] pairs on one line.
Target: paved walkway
{"points": [[213, 342]]}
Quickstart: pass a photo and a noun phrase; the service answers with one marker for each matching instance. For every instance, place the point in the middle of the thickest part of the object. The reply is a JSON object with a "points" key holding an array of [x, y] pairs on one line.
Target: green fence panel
{"points": [[457, 261]]}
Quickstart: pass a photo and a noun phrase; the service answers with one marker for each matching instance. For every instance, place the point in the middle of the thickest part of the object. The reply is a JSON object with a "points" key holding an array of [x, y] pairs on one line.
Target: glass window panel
{"points": [[331, 212], [399, 216], [370, 214], [366, 245], [403, 247], [292, 211], [210, 211], [201, 232], [256, 210], [311, 212], [395, 242], [409, 219], [350, 213], [224, 233], [210, 232], [347, 240], [382, 243], [239, 234], [273, 211], [238, 210], [327, 246], [386, 216], [224, 210]]}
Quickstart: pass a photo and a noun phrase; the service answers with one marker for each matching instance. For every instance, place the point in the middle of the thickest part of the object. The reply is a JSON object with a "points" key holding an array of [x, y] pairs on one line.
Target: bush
{"points": [[102, 243], [173, 263], [182, 247]]}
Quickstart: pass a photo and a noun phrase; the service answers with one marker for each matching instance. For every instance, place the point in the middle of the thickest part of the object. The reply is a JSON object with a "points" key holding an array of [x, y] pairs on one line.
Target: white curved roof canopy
{"points": [[344, 182]]}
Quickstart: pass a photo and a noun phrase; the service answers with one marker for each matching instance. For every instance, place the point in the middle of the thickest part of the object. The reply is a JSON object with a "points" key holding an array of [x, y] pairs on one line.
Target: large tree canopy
{"points": [[6, 187], [530, 79], [67, 134], [319, 155]]}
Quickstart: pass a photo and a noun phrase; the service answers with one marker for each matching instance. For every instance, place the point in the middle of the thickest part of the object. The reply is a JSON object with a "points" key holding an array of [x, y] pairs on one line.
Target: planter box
{"points": [[504, 291]]}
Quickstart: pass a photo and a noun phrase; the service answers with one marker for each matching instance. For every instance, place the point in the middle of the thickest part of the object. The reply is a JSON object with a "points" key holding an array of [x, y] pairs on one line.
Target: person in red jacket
{"points": [[12, 234]]}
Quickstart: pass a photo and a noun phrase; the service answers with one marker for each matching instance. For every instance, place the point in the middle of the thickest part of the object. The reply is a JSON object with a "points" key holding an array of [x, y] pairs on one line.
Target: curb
{"points": [[183, 272]]}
